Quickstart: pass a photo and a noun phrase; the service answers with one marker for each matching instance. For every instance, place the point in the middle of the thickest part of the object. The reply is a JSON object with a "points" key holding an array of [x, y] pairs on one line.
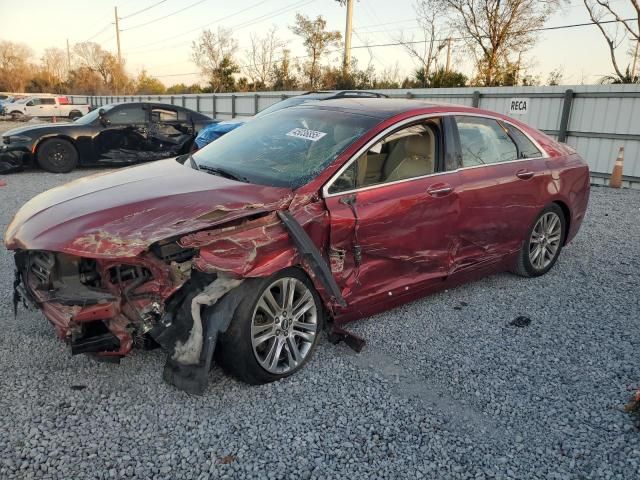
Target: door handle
{"points": [[524, 174], [439, 190]]}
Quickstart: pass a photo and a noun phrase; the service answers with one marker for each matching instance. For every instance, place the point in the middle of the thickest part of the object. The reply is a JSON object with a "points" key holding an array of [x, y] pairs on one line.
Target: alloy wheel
{"points": [[284, 325], [545, 240]]}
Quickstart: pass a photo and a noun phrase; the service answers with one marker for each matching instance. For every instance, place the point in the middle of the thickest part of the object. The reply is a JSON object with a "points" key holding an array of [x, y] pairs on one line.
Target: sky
{"points": [[162, 46]]}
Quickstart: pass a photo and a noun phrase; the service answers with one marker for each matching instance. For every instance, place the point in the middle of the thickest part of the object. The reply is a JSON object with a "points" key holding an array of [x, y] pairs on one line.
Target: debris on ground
{"points": [[520, 322]]}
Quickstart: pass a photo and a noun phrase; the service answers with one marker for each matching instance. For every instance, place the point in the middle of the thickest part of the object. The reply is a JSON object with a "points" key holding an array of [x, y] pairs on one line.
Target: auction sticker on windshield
{"points": [[306, 134]]}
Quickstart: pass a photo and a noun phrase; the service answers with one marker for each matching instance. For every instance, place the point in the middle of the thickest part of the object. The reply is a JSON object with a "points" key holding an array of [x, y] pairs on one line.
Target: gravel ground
{"points": [[445, 387]]}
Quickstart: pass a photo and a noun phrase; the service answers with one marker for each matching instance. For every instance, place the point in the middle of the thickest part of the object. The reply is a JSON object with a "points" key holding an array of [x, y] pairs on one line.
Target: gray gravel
{"points": [[445, 387]]}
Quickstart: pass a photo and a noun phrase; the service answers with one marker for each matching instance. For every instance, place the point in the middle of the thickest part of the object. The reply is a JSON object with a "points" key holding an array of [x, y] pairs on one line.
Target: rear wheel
{"points": [[57, 156], [274, 331], [541, 249], [74, 115]]}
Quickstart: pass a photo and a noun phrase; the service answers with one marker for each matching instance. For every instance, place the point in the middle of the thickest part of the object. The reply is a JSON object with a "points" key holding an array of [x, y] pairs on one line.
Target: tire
{"points": [[57, 156], [74, 115], [240, 351], [543, 244], [16, 114]]}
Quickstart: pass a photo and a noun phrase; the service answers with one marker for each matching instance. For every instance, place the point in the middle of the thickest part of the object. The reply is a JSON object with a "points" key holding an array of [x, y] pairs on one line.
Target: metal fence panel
{"points": [[600, 120]]}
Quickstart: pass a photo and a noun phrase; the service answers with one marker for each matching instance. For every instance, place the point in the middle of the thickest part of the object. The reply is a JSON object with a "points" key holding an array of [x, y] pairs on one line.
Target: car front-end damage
{"points": [[15, 154], [181, 292]]}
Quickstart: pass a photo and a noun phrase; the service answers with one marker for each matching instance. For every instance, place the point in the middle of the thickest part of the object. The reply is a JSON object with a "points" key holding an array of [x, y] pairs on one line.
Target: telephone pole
{"points": [[635, 60], [68, 58], [347, 37], [448, 54], [118, 37]]}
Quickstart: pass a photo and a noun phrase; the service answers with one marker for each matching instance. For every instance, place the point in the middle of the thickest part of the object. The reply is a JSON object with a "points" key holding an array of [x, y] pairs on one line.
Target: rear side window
{"points": [[484, 141], [48, 101], [526, 148], [163, 115]]}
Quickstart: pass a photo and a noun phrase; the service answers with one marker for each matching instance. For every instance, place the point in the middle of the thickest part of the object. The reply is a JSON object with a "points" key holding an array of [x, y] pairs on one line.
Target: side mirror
{"points": [[103, 120], [29, 104]]}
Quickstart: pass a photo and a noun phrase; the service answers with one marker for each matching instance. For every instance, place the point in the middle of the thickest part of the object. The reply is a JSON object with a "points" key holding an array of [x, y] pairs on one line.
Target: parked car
{"points": [[111, 135], [310, 216], [47, 106], [215, 131]]}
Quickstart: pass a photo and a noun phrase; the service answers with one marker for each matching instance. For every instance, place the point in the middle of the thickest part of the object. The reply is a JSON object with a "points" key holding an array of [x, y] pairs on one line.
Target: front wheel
{"points": [[274, 331], [57, 156], [542, 247]]}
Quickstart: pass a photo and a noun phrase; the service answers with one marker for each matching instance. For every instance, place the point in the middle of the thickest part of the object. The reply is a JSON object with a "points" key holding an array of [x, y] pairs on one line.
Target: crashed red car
{"points": [[308, 218]]}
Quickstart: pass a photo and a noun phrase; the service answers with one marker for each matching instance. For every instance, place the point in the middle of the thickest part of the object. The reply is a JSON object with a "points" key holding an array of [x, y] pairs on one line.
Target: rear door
{"points": [[170, 130], [393, 215], [502, 189]]}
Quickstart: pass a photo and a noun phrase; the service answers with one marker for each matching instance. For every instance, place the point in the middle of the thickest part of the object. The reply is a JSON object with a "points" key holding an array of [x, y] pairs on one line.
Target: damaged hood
{"points": [[121, 214]]}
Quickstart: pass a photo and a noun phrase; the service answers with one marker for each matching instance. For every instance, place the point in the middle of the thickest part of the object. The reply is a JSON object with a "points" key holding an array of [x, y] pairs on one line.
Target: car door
{"points": [[48, 107], [123, 135], [501, 192], [393, 215], [33, 108], [170, 130]]}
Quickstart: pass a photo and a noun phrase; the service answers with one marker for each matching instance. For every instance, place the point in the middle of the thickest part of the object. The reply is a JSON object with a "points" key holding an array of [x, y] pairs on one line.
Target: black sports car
{"points": [[112, 135]]}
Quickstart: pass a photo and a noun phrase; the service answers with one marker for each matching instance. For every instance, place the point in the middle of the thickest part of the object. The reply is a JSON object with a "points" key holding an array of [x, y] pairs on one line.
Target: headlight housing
{"points": [[16, 139]]}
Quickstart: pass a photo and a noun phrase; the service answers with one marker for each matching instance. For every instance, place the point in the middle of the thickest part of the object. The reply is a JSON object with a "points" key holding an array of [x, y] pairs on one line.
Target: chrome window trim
{"points": [[385, 132]]}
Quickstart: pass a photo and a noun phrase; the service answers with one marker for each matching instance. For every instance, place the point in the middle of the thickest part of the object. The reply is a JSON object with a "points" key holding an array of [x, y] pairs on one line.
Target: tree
{"points": [[555, 77], [214, 54], [283, 77], [181, 88], [54, 65], [84, 81], [147, 85], [92, 56], [429, 14], [601, 11], [498, 31], [317, 41], [261, 58], [15, 66]]}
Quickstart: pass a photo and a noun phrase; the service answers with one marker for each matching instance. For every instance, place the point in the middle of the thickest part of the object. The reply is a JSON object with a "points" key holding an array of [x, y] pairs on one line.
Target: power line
{"points": [[165, 16], [99, 32], [239, 26], [142, 10], [200, 28], [557, 27]]}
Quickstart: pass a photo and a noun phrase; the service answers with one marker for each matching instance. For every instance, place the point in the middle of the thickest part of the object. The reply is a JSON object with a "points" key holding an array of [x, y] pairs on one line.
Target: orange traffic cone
{"points": [[616, 177]]}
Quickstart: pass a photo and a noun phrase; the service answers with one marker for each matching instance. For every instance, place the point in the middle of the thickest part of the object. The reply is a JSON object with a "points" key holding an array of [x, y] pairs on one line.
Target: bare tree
{"points": [[601, 11], [497, 31], [15, 68], [54, 65], [429, 14], [92, 56], [261, 57], [317, 40], [214, 54]]}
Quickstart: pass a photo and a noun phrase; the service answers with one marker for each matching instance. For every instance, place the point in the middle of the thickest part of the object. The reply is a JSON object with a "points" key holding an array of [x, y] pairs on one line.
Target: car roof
{"points": [[375, 107]]}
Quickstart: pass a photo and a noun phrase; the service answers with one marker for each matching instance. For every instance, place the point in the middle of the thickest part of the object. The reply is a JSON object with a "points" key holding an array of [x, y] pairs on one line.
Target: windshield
{"points": [[289, 102], [286, 149], [92, 115]]}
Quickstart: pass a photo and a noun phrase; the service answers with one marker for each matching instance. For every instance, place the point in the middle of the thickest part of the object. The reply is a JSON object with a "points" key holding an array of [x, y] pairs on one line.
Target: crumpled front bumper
{"points": [[14, 158]]}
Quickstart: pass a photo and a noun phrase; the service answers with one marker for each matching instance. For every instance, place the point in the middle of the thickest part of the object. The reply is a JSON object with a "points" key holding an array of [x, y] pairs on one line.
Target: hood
{"points": [[38, 127], [121, 214]]}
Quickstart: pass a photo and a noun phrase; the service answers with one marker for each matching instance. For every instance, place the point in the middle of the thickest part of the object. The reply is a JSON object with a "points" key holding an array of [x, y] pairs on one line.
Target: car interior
{"points": [[406, 153]]}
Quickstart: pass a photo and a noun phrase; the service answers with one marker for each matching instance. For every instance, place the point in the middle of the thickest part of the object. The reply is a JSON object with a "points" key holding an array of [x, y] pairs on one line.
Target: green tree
{"points": [[317, 41], [147, 85], [214, 54], [284, 78]]}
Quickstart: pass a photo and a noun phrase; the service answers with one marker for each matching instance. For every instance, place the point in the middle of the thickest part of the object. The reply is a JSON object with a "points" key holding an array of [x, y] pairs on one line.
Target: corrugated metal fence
{"points": [[595, 119]]}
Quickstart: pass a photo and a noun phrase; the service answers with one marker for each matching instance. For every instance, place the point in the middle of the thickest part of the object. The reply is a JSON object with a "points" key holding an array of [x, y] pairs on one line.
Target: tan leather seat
{"points": [[410, 157]]}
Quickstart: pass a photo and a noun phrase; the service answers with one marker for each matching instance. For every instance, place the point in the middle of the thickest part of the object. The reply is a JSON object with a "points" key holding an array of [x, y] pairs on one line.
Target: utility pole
{"points": [[68, 58], [347, 37], [118, 36], [635, 60], [448, 55]]}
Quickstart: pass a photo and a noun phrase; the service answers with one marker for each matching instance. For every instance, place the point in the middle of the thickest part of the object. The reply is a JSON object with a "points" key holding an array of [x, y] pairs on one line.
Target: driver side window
{"points": [[409, 152]]}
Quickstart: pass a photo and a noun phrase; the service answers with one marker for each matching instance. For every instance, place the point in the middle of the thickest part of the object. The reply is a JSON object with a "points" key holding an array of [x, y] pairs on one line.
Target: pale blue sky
{"points": [[163, 47]]}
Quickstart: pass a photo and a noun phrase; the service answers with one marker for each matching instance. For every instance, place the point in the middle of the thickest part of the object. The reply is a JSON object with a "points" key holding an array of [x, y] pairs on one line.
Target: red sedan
{"points": [[302, 220]]}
